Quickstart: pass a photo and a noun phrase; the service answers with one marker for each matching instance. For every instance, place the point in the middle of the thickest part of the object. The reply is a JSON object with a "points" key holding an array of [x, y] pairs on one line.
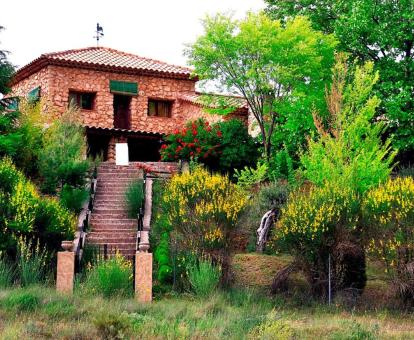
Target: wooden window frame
{"points": [[79, 94], [170, 103]]}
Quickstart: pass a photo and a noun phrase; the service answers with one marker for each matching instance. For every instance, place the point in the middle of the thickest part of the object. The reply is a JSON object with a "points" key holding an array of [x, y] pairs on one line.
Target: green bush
{"points": [[73, 198], [62, 158], [204, 277], [111, 326], [222, 146], [22, 301], [24, 212], [272, 328], [32, 262], [134, 197], [112, 277], [249, 177], [9, 176], [356, 331], [7, 273]]}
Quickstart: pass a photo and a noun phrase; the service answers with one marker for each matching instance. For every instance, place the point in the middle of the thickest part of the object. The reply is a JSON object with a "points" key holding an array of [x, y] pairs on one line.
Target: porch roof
{"points": [[123, 132]]}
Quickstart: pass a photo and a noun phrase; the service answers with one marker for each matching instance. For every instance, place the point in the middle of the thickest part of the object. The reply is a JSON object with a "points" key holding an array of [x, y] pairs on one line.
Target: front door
{"points": [[122, 112]]}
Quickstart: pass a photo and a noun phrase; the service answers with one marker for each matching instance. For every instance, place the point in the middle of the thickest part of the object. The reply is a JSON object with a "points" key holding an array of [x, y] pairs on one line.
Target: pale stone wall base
{"points": [[143, 277], [65, 271]]}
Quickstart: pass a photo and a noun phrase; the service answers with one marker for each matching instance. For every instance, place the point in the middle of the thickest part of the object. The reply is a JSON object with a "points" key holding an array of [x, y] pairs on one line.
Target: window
{"points": [[159, 108], [34, 95], [82, 100]]}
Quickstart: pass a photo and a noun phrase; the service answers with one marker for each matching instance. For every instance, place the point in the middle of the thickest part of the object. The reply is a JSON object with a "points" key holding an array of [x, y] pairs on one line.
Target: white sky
{"points": [[155, 28]]}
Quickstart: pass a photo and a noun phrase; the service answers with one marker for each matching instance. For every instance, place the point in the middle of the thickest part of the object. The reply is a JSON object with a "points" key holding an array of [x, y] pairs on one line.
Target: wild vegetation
{"points": [[315, 196]]}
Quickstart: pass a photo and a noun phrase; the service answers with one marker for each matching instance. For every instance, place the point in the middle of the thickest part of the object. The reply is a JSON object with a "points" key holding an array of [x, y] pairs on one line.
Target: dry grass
{"points": [[232, 314]]}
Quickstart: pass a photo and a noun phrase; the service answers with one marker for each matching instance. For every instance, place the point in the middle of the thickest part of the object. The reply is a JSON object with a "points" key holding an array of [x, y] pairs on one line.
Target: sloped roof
{"points": [[214, 101], [106, 59]]}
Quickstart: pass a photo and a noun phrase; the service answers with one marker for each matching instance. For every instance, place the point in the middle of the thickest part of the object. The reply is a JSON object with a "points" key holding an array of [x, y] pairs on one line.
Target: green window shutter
{"points": [[34, 95], [123, 87]]}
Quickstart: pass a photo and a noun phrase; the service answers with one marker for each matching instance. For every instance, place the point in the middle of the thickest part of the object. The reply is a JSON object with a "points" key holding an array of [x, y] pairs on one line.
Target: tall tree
{"points": [[371, 30], [6, 70], [272, 65]]}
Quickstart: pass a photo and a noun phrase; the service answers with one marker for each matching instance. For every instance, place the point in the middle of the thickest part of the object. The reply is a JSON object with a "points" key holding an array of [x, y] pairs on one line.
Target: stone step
{"points": [[103, 216], [113, 234], [113, 230], [112, 240]]}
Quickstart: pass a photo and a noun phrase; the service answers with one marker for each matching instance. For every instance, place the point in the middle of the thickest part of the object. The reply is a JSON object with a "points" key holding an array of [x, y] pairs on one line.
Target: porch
{"points": [[142, 146]]}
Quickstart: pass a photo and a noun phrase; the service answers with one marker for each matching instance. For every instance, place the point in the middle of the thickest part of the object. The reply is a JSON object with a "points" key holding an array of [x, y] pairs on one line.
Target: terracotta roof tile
{"points": [[106, 59], [214, 100]]}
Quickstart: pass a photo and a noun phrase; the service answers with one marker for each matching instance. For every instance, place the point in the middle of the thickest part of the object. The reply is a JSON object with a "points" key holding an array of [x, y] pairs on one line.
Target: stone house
{"points": [[123, 98]]}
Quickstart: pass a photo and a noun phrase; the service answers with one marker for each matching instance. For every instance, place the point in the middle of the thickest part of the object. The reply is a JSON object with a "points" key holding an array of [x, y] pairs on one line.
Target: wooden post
{"points": [[65, 271], [143, 277]]}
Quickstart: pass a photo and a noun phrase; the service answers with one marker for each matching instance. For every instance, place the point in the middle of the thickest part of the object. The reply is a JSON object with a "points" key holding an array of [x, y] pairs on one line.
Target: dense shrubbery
{"points": [[62, 160], [201, 213], [346, 160], [388, 212], [134, 197], [222, 146], [25, 212]]}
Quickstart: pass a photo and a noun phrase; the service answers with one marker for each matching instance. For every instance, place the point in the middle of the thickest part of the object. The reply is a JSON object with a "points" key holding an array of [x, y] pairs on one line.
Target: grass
{"points": [[41, 313], [245, 312]]}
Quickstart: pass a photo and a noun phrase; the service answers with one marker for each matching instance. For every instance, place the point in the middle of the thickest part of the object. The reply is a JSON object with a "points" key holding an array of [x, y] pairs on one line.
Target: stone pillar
{"points": [[65, 271], [143, 277], [111, 150]]}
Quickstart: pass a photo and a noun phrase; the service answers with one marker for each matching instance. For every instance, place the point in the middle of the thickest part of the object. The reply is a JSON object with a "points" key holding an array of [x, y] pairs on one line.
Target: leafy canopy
{"points": [[349, 151], [378, 31], [271, 65]]}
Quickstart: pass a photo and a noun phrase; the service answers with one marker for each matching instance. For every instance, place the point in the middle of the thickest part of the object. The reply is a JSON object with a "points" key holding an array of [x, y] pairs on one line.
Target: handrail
{"points": [[140, 216], [84, 218]]}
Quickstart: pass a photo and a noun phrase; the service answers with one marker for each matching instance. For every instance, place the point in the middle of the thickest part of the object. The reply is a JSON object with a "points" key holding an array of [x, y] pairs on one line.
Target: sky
{"points": [[156, 29]]}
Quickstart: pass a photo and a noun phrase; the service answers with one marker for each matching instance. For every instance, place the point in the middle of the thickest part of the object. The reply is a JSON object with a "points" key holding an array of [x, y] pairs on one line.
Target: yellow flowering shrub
{"points": [[203, 207], [388, 212], [23, 206], [23, 211], [310, 219]]}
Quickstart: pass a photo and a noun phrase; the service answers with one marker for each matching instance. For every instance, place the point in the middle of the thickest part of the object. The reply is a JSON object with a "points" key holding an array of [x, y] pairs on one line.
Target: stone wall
{"points": [[57, 81]]}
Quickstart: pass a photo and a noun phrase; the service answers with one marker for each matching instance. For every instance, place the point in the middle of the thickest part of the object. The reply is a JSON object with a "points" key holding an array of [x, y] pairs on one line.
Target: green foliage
{"points": [[20, 135], [355, 331], [282, 166], [134, 197], [112, 277], [380, 32], [273, 329], [160, 235], [73, 198], [279, 69], [22, 301], [62, 158], [204, 277], [162, 256], [24, 212], [222, 146], [112, 326], [238, 148], [32, 262], [248, 177], [7, 273], [6, 71], [350, 150]]}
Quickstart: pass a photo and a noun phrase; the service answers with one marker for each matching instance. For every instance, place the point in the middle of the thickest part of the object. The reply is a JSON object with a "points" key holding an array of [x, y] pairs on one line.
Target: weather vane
{"points": [[99, 33]]}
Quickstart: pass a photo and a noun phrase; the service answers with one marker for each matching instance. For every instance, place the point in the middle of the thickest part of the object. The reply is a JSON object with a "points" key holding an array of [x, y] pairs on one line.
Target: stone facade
{"points": [[57, 79]]}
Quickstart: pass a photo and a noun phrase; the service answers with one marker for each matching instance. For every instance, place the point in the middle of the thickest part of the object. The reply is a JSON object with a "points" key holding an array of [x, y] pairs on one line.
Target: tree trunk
{"points": [[263, 231]]}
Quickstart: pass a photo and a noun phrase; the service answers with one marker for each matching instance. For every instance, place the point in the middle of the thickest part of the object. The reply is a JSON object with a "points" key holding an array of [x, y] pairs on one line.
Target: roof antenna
{"points": [[99, 34]]}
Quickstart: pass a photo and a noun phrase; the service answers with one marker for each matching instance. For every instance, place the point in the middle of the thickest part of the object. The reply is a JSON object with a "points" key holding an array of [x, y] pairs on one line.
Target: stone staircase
{"points": [[109, 223]]}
